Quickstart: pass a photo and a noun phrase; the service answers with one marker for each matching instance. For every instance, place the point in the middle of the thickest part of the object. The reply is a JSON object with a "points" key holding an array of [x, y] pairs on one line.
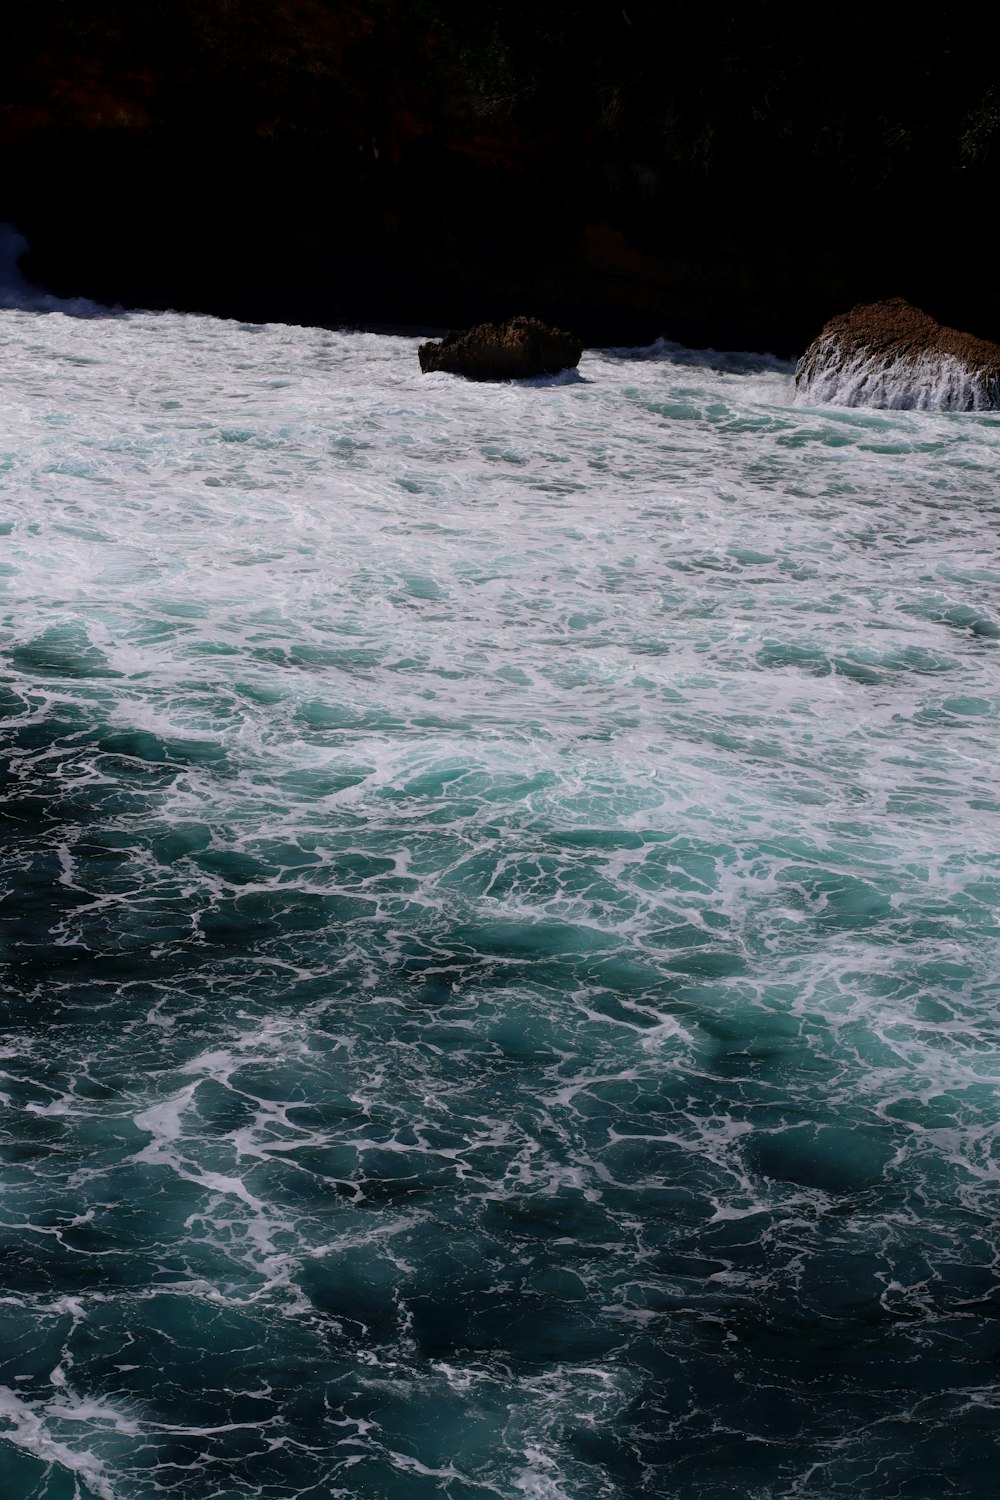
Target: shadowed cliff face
{"points": [[724, 178]]}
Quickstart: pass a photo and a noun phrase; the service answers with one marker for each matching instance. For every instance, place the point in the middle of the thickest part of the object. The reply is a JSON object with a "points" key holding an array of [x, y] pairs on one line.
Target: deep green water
{"points": [[500, 898]]}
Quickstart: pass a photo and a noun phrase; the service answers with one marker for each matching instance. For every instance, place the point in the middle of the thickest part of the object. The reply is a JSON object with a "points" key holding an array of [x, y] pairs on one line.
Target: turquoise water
{"points": [[500, 927]]}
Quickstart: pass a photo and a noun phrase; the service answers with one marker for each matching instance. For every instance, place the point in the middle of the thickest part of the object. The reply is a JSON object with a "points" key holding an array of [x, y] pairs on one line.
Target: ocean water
{"points": [[500, 926]]}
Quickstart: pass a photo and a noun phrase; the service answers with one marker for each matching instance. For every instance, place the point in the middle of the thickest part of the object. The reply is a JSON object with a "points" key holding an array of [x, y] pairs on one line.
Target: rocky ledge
{"points": [[515, 350], [889, 354]]}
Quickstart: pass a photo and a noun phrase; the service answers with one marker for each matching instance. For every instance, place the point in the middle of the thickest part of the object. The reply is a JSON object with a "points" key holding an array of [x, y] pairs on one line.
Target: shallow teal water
{"points": [[500, 927]]}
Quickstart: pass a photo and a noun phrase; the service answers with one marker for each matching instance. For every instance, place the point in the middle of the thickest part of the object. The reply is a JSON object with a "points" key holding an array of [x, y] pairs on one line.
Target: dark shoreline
{"points": [[724, 178]]}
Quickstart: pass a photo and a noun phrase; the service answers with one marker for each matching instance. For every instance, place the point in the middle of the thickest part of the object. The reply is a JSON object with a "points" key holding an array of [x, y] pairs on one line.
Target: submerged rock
{"points": [[889, 354], [513, 350]]}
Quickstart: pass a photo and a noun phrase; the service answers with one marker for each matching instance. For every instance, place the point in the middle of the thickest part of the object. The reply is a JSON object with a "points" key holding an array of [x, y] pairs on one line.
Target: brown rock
{"points": [[513, 350], [889, 354]]}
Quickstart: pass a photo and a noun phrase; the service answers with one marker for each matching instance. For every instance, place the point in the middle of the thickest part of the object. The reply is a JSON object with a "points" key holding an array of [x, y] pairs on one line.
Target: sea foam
{"points": [[500, 908]]}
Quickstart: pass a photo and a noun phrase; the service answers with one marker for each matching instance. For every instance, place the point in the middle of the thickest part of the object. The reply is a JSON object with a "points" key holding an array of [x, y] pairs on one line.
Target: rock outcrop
{"points": [[889, 354], [515, 350]]}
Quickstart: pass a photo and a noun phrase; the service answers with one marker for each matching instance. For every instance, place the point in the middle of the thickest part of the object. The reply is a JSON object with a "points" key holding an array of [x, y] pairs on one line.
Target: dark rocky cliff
{"points": [[730, 174]]}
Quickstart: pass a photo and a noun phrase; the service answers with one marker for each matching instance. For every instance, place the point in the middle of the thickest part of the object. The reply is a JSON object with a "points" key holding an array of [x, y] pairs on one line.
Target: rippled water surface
{"points": [[500, 899]]}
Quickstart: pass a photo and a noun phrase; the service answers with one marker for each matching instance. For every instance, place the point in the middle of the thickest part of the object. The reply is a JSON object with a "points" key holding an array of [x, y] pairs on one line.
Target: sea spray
{"points": [[891, 355], [934, 382], [17, 292]]}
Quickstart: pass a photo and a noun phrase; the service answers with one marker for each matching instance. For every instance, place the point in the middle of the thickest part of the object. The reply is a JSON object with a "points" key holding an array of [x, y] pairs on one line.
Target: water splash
{"points": [[17, 292], [930, 382]]}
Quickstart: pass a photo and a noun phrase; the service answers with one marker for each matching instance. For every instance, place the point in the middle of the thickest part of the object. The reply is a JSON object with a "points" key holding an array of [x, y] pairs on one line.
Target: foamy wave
{"points": [[27, 1430], [721, 361], [931, 382]]}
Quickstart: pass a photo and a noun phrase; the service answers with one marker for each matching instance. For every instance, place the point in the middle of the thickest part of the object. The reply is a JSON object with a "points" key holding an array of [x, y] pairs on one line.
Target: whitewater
{"points": [[500, 892]]}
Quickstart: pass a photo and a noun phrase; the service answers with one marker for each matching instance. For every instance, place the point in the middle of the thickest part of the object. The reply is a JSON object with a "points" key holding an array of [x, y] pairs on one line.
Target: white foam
{"points": [[30, 1431], [541, 1479], [932, 382]]}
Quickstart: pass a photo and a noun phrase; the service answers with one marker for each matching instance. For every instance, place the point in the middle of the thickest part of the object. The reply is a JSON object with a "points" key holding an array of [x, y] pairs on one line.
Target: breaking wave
{"points": [[932, 382]]}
